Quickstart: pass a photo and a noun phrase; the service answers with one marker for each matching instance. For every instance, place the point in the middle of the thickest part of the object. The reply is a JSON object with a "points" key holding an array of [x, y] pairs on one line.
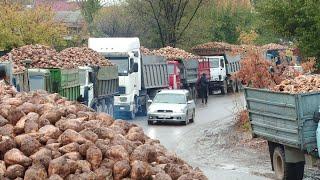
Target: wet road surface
{"points": [[201, 144]]}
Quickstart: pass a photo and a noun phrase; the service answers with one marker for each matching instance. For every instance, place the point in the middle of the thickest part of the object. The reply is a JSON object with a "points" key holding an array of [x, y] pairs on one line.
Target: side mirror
{"points": [[135, 53], [190, 102], [135, 67], [150, 101]]}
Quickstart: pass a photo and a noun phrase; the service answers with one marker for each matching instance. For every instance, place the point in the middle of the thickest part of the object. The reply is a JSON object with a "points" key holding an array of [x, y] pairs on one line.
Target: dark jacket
{"points": [[203, 82]]}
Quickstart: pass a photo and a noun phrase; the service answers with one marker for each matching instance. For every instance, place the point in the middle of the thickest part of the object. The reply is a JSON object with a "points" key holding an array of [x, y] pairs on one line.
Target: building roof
{"points": [[71, 18], [59, 5]]}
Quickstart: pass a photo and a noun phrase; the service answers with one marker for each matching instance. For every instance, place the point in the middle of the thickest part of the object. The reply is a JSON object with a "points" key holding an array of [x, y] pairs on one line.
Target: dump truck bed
{"points": [[107, 81], [154, 72], [284, 118], [190, 71], [62, 81]]}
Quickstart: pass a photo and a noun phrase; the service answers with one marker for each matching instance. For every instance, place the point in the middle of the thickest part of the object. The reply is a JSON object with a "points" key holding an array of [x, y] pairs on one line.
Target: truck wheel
{"points": [[279, 163], [132, 115], [239, 86], [299, 170], [100, 106], [224, 88], [284, 170], [110, 110], [234, 87]]}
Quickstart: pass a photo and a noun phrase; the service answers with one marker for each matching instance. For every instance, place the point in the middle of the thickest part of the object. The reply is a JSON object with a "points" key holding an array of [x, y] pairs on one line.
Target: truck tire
{"points": [[224, 88], [234, 86], [299, 170], [284, 170], [110, 110], [132, 115]]}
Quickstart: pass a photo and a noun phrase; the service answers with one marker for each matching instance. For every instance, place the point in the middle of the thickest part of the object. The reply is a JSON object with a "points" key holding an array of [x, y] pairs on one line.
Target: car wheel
{"points": [[193, 116], [150, 122], [186, 120]]}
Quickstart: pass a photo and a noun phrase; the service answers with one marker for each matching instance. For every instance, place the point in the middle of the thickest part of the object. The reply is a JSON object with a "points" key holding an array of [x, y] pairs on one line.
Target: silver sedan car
{"points": [[172, 105]]}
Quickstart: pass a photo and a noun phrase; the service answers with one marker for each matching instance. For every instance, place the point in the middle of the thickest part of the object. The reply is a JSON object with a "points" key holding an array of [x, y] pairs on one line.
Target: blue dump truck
{"points": [[98, 85], [289, 123]]}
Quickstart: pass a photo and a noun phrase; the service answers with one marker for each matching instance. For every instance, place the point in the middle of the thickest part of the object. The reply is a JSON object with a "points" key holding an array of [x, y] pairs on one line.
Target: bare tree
{"points": [[171, 17], [115, 21], [89, 9]]}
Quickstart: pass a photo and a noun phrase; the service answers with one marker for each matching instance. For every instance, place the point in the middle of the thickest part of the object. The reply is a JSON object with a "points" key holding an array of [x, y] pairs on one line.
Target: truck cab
{"points": [[218, 73], [222, 68], [218, 69], [174, 75], [125, 53]]}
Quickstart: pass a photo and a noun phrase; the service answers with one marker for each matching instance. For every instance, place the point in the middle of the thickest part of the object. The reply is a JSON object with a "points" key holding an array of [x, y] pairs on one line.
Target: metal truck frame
{"points": [[287, 122]]}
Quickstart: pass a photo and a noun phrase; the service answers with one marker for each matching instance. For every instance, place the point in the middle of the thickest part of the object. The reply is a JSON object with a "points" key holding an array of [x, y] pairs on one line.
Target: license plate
{"points": [[163, 116], [122, 108]]}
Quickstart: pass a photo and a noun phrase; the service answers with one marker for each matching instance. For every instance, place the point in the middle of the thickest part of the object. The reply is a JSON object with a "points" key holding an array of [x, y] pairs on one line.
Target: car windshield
{"points": [[170, 98], [122, 63], [214, 63], [170, 69]]}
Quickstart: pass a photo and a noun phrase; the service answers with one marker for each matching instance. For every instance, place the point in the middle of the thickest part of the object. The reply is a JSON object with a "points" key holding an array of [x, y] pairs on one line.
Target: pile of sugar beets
{"points": [[44, 136]]}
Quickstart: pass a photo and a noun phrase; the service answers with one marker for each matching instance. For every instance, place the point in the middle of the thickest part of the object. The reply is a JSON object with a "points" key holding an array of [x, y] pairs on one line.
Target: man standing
{"points": [[203, 83]]}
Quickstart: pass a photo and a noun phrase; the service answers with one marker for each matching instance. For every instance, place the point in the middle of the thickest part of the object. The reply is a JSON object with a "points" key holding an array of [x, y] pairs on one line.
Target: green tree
{"points": [[19, 26], [90, 9], [294, 20], [229, 21]]}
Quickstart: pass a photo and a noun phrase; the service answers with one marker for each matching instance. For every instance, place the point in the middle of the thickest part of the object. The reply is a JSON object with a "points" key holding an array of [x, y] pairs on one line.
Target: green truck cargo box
{"points": [[62, 81], [107, 81], [284, 118]]}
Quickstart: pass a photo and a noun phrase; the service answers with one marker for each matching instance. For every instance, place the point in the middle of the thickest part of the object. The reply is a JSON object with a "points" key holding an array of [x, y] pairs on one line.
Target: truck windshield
{"points": [[214, 63], [122, 63], [170, 99], [170, 68]]}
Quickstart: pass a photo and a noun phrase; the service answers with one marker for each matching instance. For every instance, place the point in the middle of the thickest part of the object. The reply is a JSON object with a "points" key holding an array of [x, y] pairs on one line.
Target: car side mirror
{"points": [[135, 67], [190, 102], [150, 101]]}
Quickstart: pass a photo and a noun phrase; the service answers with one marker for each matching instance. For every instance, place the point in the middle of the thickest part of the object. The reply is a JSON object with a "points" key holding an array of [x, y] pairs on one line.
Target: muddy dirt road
{"points": [[213, 144]]}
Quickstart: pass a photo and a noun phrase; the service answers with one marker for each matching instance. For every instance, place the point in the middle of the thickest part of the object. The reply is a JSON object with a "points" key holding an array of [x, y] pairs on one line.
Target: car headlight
{"points": [[182, 110]]}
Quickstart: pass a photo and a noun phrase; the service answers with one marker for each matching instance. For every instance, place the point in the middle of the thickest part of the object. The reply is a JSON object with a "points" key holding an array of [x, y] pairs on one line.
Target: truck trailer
{"points": [[98, 85], [55, 80], [289, 123], [140, 77]]}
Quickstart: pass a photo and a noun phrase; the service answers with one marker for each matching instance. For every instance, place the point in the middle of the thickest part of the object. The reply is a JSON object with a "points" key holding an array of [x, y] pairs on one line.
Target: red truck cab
{"points": [[174, 72], [204, 67], [174, 75]]}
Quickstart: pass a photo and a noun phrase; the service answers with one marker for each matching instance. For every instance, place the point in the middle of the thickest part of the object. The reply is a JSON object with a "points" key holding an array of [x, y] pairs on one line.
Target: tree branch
{"points": [[157, 21], [191, 18]]}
